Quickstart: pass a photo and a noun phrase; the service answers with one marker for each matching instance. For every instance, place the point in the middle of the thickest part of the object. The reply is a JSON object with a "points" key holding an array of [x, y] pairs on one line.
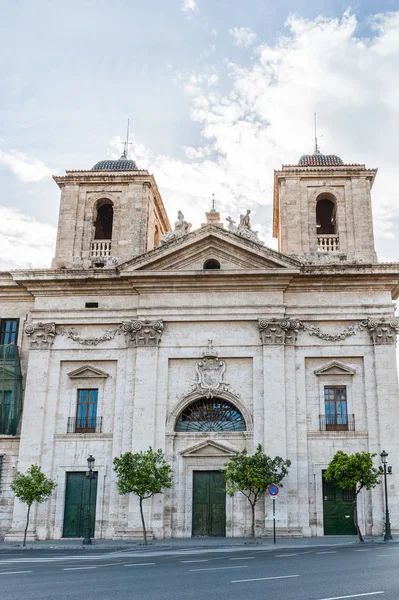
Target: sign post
{"points": [[273, 490]]}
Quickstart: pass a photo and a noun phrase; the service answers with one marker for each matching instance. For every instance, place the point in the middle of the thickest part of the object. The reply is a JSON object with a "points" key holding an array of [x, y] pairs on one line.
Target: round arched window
{"points": [[210, 414], [212, 263], [104, 221]]}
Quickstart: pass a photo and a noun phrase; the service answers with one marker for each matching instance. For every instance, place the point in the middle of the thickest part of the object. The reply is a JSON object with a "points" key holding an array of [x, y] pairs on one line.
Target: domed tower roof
{"points": [[321, 160], [122, 164]]}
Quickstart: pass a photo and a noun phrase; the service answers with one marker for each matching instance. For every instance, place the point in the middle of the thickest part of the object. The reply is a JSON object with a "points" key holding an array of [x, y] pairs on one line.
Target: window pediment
{"points": [[209, 448], [87, 372], [335, 368]]}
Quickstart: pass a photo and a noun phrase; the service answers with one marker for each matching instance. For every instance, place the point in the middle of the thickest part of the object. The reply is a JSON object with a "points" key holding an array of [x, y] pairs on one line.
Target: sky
{"points": [[219, 93]]}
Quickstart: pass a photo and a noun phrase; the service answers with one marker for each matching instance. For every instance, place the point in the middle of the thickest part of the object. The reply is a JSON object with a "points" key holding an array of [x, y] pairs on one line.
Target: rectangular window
{"points": [[335, 408], [8, 331], [86, 413], [5, 407]]}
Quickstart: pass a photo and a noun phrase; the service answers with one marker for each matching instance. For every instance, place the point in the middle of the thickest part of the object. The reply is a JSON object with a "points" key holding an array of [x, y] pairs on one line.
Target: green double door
{"points": [[337, 510], [76, 499], [209, 504]]}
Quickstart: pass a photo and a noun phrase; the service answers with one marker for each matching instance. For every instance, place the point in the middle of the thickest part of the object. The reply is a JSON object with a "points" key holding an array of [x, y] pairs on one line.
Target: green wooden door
{"points": [[76, 498], [337, 510], [209, 504]]}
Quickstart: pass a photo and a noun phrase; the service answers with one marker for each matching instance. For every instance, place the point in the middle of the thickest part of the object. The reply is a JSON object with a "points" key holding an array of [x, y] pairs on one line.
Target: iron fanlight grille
{"points": [[213, 414]]}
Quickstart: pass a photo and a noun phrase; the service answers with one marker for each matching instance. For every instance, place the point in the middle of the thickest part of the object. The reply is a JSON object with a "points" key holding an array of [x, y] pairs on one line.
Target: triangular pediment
{"points": [[87, 371], [335, 368], [190, 252], [209, 448]]}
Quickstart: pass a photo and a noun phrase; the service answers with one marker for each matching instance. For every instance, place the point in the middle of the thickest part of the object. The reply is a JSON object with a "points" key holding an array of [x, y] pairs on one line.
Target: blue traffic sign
{"points": [[273, 489]]}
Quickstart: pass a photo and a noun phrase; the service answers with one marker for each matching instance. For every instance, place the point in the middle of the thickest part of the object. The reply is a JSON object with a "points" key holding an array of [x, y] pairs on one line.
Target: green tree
{"points": [[32, 487], [142, 474], [353, 472], [252, 474]]}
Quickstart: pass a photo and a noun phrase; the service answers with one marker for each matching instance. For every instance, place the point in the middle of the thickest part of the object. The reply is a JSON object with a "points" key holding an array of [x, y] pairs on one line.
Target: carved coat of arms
{"points": [[210, 373]]}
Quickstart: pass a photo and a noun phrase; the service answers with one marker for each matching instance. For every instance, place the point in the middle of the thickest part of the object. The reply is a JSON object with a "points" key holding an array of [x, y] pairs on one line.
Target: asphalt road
{"points": [[329, 573]]}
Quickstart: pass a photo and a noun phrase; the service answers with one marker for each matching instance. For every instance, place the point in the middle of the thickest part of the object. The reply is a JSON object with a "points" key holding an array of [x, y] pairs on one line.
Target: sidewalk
{"points": [[191, 544]]}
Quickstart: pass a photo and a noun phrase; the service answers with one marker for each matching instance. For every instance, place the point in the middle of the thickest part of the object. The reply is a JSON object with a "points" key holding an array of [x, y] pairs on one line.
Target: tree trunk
{"points": [[355, 520], [27, 524], [253, 522], [142, 521]]}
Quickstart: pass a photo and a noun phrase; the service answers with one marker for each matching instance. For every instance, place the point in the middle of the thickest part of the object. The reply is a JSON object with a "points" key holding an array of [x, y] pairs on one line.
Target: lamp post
{"points": [[383, 469], [90, 475]]}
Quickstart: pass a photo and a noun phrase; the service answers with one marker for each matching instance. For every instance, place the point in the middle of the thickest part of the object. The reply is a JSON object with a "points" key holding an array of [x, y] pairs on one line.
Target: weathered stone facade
{"points": [[282, 329]]}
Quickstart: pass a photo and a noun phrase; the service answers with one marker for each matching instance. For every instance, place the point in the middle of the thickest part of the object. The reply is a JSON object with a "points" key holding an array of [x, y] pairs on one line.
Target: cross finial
{"points": [[126, 144], [213, 205], [316, 145]]}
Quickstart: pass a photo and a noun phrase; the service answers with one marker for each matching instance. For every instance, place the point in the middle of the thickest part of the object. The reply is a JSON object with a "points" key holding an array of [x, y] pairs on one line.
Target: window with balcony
{"points": [[86, 412], [336, 416], [326, 224]]}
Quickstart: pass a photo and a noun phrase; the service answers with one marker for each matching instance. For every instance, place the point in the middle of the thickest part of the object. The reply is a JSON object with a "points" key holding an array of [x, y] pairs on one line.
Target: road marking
{"points": [[138, 564], [266, 578], [390, 554], [243, 558], [353, 596], [368, 550], [12, 572], [194, 561], [220, 568], [284, 555], [328, 552], [77, 568]]}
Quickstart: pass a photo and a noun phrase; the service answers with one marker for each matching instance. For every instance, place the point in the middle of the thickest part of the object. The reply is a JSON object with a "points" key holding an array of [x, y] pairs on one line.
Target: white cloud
{"points": [[189, 6], [244, 37], [24, 241], [26, 169]]}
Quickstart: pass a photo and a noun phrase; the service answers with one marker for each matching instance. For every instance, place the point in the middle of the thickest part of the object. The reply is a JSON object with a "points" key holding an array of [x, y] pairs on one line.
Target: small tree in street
{"points": [[353, 472], [143, 474], [32, 487], [252, 475]]}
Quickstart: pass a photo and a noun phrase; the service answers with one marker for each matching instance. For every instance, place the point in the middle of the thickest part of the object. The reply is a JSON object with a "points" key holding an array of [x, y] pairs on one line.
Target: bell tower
{"points": [[322, 209], [108, 215]]}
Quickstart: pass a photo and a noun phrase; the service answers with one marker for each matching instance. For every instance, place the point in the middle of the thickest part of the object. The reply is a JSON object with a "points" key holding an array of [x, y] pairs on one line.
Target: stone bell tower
{"points": [[322, 209], [108, 215]]}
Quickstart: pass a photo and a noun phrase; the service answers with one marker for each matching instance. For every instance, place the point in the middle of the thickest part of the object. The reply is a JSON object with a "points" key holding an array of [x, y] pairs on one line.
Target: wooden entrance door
{"points": [[76, 498], [209, 503], [337, 510]]}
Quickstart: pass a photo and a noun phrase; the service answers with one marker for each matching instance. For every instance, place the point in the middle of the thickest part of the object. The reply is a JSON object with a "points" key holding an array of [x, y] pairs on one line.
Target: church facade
{"points": [[201, 343]]}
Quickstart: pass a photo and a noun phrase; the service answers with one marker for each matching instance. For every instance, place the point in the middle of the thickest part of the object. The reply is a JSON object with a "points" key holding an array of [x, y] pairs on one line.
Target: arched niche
{"points": [[195, 397], [326, 214], [103, 219]]}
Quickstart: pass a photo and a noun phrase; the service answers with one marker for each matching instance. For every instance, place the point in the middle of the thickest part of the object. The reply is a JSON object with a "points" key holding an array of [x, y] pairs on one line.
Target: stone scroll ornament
{"points": [[285, 331], [137, 333]]}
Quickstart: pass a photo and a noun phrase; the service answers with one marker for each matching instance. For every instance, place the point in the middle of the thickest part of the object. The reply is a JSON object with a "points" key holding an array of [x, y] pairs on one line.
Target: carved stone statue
{"points": [[245, 221], [232, 227], [244, 228], [182, 228]]}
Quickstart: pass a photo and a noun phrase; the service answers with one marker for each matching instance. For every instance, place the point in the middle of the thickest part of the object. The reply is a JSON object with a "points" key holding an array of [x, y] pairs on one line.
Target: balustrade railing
{"points": [[343, 422], [101, 248], [328, 243], [84, 425]]}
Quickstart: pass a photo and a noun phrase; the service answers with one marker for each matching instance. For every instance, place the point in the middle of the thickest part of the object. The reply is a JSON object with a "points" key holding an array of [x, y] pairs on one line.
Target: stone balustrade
{"points": [[101, 248], [328, 243]]}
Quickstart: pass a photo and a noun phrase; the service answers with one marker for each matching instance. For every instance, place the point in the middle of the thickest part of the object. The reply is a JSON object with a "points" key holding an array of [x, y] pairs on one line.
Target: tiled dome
{"points": [[321, 160], [122, 164]]}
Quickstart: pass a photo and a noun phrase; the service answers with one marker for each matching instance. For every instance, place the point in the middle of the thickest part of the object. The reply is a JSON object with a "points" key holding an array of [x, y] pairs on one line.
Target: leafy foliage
{"points": [[143, 474], [252, 474], [34, 486], [353, 472]]}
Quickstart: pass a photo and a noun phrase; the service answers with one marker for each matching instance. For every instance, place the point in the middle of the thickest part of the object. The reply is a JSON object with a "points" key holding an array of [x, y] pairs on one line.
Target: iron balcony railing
{"points": [[337, 422], [91, 425]]}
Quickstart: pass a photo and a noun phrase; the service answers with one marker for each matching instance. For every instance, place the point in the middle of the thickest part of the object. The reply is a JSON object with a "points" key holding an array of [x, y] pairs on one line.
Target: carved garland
{"points": [[285, 331], [137, 333]]}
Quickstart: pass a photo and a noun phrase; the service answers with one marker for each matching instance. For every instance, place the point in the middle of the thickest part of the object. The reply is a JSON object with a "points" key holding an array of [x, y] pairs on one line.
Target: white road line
{"points": [[77, 568], [328, 552], [368, 550], [243, 558], [353, 596], [138, 564], [390, 554], [220, 568], [265, 578], [12, 572], [284, 555], [194, 561]]}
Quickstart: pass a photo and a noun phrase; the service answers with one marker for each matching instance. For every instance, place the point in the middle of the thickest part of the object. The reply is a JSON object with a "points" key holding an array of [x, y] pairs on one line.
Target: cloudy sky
{"points": [[219, 93]]}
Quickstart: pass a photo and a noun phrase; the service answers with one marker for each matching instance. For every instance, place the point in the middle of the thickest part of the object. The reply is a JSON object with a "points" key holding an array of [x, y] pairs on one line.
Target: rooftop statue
{"points": [[244, 228], [182, 227]]}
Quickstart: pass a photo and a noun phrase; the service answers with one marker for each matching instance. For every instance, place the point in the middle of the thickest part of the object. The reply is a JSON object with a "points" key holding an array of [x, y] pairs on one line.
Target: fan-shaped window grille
{"points": [[213, 414]]}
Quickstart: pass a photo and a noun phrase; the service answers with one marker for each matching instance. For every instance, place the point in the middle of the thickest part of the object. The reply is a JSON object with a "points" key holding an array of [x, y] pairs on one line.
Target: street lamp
{"points": [[383, 469], [90, 475]]}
